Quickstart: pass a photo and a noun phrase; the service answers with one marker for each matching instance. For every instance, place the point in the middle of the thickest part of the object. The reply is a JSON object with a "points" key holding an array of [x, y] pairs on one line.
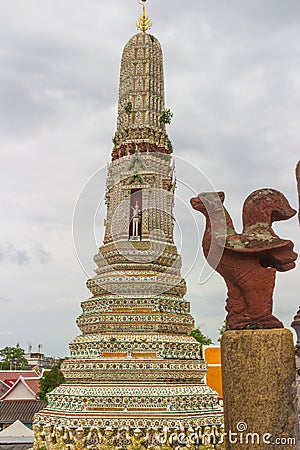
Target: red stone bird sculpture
{"points": [[247, 261]]}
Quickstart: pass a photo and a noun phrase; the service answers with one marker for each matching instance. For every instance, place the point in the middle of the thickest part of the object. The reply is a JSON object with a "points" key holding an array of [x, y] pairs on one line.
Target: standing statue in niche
{"points": [[248, 261], [136, 217]]}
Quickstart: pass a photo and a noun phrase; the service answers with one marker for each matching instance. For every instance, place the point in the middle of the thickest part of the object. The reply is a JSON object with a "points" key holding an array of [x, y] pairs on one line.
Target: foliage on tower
{"points": [[128, 108], [166, 117]]}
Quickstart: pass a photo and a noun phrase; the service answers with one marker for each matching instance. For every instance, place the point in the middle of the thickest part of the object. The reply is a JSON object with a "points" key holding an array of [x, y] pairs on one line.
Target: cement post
{"points": [[258, 370]]}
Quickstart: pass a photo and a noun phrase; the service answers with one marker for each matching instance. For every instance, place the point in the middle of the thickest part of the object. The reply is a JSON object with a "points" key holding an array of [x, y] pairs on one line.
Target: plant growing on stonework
{"points": [[163, 156], [128, 108], [152, 37], [50, 380], [166, 116], [200, 337], [115, 140], [170, 145]]}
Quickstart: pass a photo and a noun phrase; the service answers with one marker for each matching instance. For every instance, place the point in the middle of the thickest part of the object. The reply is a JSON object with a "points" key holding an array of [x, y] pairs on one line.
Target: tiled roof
{"points": [[7, 443], [9, 383], [3, 388], [15, 374], [33, 383], [16, 430], [24, 410]]}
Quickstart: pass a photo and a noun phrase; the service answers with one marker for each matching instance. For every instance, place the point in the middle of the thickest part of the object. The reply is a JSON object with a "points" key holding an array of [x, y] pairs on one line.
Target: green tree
{"points": [[13, 358], [50, 380], [200, 337], [222, 330]]}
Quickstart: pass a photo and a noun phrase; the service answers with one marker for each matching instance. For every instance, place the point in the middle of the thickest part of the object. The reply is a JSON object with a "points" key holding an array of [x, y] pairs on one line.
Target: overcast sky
{"points": [[233, 82]]}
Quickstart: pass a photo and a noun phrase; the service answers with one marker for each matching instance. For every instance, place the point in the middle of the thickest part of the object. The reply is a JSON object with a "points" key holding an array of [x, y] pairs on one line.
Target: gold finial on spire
{"points": [[144, 23]]}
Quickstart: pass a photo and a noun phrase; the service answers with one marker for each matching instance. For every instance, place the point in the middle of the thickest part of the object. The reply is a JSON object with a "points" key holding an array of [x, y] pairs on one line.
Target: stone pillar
{"points": [[258, 371]]}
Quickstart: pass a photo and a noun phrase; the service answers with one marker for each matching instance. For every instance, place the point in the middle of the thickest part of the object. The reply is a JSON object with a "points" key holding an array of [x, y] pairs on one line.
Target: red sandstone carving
{"points": [[247, 261]]}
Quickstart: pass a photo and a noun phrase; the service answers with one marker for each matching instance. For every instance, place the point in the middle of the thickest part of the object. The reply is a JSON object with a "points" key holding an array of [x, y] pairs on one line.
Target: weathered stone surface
{"points": [[248, 261], [258, 370]]}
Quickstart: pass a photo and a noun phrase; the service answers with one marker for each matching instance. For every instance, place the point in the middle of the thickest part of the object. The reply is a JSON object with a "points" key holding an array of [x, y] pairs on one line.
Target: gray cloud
{"points": [[5, 300], [232, 80], [10, 253], [40, 253], [43, 256]]}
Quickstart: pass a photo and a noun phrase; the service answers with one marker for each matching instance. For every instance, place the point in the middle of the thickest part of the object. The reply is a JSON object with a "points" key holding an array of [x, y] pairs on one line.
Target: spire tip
{"points": [[144, 23]]}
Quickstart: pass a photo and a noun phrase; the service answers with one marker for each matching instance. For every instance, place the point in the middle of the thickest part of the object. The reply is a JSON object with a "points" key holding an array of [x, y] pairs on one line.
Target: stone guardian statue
{"points": [[247, 261]]}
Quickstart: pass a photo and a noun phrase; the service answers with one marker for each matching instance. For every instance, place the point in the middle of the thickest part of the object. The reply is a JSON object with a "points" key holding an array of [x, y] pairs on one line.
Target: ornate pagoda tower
{"points": [[134, 374]]}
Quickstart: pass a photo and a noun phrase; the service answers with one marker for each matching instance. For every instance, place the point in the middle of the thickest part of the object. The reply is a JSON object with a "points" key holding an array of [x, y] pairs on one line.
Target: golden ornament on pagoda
{"points": [[144, 23]]}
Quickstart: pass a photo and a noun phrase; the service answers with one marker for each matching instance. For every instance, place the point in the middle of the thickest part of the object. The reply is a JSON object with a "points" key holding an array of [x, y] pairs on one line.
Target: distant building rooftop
{"points": [[16, 437], [13, 375], [24, 388], [22, 410]]}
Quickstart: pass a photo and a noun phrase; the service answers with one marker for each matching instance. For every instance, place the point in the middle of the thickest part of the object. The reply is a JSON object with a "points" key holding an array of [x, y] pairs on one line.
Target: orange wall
{"points": [[212, 356]]}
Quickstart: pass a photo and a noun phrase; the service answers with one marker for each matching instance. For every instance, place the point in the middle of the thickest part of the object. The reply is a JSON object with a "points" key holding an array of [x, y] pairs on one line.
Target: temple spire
{"points": [[144, 23], [141, 105], [135, 373]]}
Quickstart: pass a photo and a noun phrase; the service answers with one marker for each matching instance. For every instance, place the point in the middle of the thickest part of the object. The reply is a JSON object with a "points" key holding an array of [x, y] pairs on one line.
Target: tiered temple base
{"points": [[125, 388], [129, 416]]}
